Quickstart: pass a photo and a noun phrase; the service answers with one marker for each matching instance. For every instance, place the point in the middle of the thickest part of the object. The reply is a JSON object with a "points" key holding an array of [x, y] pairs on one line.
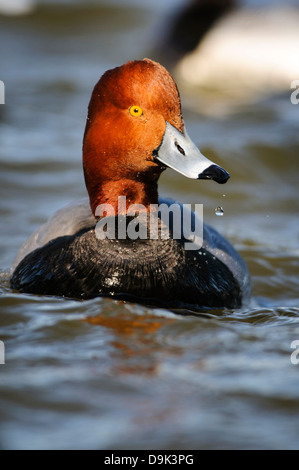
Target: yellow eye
{"points": [[135, 111]]}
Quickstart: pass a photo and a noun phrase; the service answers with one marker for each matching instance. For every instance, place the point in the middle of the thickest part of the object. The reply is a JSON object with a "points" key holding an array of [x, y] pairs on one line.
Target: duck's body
{"points": [[67, 257], [154, 271]]}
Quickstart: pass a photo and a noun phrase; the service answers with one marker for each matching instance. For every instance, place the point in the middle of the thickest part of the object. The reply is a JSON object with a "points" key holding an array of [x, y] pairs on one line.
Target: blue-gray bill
{"points": [[178, 151]]}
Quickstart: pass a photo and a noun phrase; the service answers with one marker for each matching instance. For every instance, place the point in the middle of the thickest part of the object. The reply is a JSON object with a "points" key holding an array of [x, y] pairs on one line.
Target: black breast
{"points": [[158, 272]]}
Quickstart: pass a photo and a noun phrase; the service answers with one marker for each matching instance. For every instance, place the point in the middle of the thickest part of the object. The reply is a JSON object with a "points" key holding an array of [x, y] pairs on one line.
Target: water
{"points": [[106, 374], [219, 211]]}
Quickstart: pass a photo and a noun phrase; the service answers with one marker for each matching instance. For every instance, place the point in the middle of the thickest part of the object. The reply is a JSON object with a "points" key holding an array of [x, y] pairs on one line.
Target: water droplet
{"points": [[219, 211]]}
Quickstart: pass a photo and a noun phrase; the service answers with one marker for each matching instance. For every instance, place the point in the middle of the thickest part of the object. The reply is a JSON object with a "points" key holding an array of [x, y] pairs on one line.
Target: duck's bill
{"points": [[177, 151]]}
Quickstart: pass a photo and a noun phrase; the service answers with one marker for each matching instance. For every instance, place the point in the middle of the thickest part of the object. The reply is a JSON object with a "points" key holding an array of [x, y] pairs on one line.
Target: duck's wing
{"points": [[66, 221]]}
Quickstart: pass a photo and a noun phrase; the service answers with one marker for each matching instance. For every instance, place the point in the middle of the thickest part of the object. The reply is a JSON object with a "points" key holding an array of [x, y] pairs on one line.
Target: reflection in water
{"points": [[134, 340]]}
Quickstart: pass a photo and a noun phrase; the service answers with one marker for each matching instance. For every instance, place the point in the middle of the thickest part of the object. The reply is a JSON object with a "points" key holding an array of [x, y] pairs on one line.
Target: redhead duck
{"points": [[134, 131]]}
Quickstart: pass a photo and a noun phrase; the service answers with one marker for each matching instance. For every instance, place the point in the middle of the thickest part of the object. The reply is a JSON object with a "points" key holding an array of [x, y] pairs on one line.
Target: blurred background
{"points": [[115, 375]]}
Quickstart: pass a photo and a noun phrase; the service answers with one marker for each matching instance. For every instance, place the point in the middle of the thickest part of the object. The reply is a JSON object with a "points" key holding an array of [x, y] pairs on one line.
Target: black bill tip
{"points": [[216, 173]]}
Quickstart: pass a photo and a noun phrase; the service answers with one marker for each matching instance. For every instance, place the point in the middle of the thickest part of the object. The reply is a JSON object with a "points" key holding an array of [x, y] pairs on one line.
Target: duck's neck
{"points": [[115, 197]]}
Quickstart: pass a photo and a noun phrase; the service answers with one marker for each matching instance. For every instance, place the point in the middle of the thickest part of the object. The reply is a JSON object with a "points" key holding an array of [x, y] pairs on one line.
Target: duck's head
{"points": [[134, 131]]}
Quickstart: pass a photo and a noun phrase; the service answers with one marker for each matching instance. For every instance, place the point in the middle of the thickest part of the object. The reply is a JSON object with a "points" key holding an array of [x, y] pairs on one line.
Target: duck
{"points": [[232, 52], [94, 248]]}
